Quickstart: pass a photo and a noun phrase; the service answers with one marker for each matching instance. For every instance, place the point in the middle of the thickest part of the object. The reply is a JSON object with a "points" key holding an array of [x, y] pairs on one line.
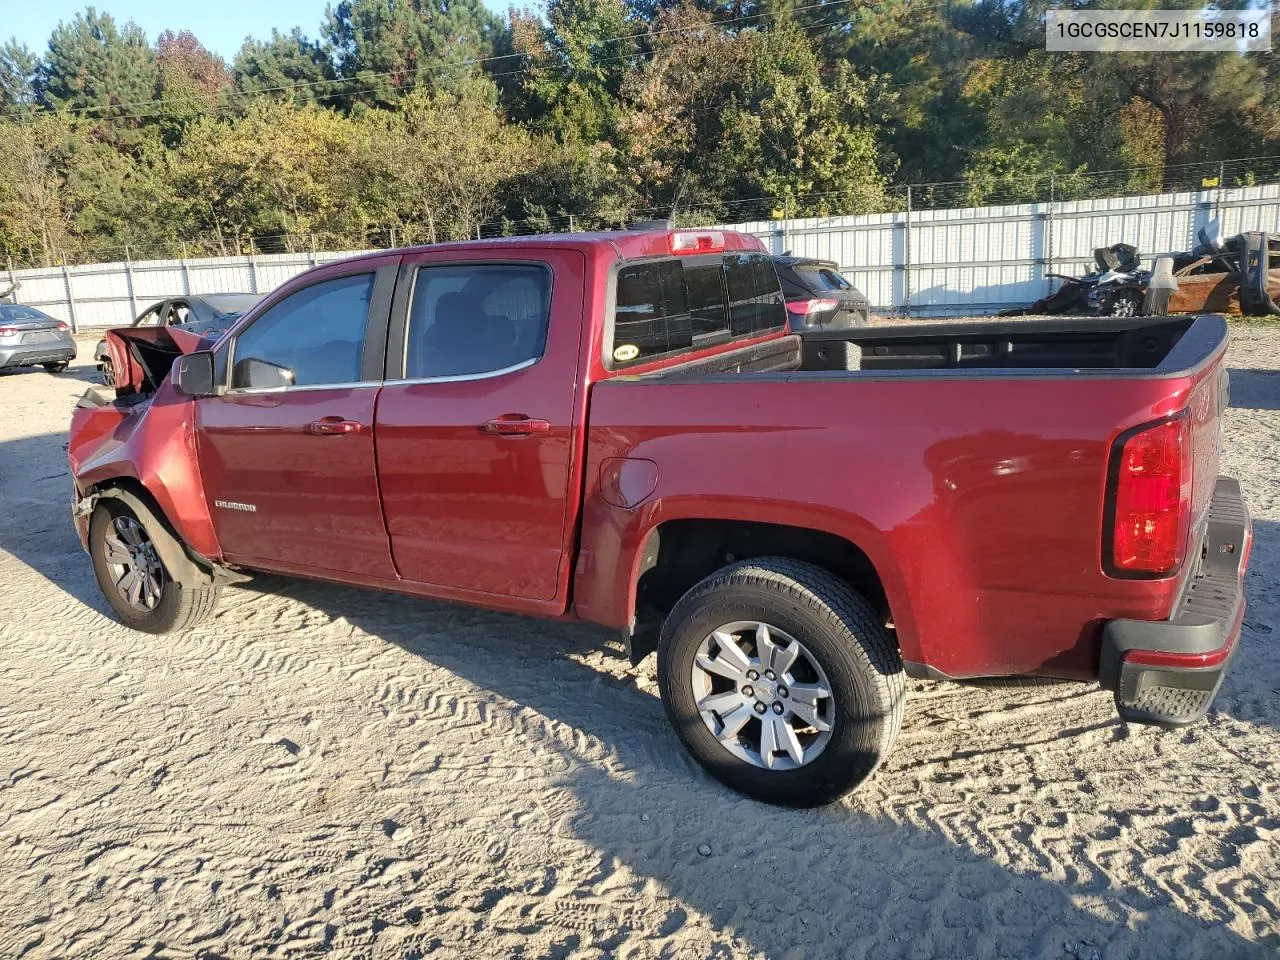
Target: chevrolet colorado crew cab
{"points": [[620, 428]]}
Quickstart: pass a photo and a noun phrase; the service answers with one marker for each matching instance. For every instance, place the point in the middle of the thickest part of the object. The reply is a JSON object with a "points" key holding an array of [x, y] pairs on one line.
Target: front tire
{"points": [[134, 580], [781, 681]]}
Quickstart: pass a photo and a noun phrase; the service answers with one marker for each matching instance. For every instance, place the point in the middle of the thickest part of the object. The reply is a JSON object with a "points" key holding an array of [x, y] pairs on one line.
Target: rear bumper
{"points": [[1168, 672], [29, 354]]}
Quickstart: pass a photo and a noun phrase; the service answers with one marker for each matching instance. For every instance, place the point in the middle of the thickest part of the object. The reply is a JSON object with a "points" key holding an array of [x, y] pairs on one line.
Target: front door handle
{"points": [[515, 425], [333, 426]]}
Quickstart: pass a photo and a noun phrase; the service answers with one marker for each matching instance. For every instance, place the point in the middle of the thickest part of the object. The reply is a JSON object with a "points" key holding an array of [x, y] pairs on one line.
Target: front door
{"points": [[287, 450], [475, 423]]}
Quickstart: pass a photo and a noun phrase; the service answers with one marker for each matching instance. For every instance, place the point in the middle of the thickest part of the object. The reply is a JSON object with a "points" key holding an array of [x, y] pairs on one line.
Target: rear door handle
{"points": [[333, 426], [515, 425]]}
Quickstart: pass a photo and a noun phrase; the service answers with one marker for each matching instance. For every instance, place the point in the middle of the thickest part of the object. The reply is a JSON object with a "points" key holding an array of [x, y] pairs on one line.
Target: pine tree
{"points": [[18, 67], [385, 48], [289, 65], [91, 65]]}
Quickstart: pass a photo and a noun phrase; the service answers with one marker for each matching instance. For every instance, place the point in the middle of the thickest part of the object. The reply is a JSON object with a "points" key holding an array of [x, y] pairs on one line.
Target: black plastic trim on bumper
{"points": [[1207, 620]]}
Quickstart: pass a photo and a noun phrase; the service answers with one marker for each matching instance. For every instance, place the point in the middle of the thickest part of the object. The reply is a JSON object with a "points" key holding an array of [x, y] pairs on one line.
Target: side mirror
{"points": [[193, 376], [255, 374]]}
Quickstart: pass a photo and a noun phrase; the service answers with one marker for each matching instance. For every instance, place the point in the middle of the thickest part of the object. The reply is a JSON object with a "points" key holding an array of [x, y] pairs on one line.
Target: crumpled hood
{"points": [[141, 356]]}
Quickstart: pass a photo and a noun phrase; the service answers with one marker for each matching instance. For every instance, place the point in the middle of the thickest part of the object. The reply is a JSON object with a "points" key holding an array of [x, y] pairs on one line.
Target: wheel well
{"points": [[135, 487], [200, 568], [679, 553]]}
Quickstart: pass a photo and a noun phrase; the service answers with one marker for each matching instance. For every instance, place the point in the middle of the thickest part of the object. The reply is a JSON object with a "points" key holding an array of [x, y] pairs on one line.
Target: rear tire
{"points": [[136, 584], [57, 366], [105, 372], [843, 647]]}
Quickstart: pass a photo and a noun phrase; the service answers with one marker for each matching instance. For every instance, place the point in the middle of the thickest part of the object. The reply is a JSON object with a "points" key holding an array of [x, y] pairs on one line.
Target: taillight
{"points": [[804, 308], [64, 326], [703, 241], [7, 331], [1150, 499]]}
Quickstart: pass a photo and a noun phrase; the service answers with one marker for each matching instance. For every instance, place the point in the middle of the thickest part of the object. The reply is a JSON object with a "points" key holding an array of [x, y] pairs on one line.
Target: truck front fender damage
{"points": [[181, 561], [175, 557]]}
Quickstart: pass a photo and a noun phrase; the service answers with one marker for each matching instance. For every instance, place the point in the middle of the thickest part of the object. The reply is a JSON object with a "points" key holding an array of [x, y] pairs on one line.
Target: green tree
{"points": [[279, 175], [35, 226], [715, 117], [576, 63], [18, 67], [442, 160], [92, 65], [672, 108], [916, 55], [192, 81], [1102, 111], [385, 48], [118, 199], [789, 134], [288, 66]]}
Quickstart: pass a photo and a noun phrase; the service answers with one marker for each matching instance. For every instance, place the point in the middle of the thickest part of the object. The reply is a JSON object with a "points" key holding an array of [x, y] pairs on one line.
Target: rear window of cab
{"points": [[679, 305]]}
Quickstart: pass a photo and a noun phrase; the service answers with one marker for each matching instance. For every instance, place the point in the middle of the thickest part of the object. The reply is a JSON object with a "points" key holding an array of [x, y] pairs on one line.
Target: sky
{"points": [[221, 25]]}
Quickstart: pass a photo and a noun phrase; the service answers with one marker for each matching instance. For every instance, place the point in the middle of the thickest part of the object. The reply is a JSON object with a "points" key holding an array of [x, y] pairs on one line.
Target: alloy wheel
{"points": [[134, 565], [763, 695]]}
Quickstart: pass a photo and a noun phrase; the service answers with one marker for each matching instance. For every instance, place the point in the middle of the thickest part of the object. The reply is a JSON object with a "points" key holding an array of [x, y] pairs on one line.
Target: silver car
{"points": [[29, 338]]}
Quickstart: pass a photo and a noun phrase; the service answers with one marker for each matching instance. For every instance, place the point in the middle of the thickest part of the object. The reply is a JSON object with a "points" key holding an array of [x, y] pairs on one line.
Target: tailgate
{"points": [[1209, 399]]}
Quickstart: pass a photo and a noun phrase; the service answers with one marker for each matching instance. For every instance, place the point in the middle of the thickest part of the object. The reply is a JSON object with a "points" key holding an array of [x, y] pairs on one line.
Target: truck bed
{"points": [[1146, 345], [968, 461]]}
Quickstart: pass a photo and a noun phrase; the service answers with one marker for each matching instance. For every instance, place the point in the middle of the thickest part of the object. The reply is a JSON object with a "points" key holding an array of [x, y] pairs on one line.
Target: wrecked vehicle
{"points": [[207, 315], [537, 425], [1114, 289], [1237, 277]]}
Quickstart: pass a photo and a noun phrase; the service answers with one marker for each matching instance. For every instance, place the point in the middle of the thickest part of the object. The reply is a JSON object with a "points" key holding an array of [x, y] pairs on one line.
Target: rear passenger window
{"points": [[755, 298], [652, 313], [467, 320], [677, 305]]}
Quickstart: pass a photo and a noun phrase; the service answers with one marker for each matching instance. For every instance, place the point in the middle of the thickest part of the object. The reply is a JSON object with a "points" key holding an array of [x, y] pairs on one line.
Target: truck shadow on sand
{"points": [[1255, 389], [893, 872]]}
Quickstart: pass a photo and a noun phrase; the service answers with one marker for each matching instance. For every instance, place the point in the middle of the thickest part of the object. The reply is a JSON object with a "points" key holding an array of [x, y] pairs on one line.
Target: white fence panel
{"points": [[920, 262]]}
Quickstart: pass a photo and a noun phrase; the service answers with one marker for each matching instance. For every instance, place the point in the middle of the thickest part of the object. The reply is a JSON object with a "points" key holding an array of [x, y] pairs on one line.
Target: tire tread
{"points": [[191, 603], [862, 635]]}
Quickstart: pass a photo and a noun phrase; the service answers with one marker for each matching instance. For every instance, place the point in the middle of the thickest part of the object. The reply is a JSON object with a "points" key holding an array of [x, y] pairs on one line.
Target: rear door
{"points": [[475, 432], [287, 450]]}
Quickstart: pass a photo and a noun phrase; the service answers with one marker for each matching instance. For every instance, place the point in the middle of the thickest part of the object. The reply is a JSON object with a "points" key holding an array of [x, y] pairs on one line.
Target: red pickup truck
{"points": [[619, 428]]}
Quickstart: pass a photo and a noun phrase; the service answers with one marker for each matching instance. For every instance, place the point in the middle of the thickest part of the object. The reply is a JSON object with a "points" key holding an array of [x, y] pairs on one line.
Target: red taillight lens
{"points": [[803, 308], [7, 331], [705, 241], [1151, 495], [63, 325]]}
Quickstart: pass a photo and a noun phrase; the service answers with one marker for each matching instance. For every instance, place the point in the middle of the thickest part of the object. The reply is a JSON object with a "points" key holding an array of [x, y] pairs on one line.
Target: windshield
{"points": [[17, 313]]}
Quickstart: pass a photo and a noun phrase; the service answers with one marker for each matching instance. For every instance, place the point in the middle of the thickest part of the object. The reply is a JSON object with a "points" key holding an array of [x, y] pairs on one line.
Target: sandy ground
{"points": [[327, 771]]}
